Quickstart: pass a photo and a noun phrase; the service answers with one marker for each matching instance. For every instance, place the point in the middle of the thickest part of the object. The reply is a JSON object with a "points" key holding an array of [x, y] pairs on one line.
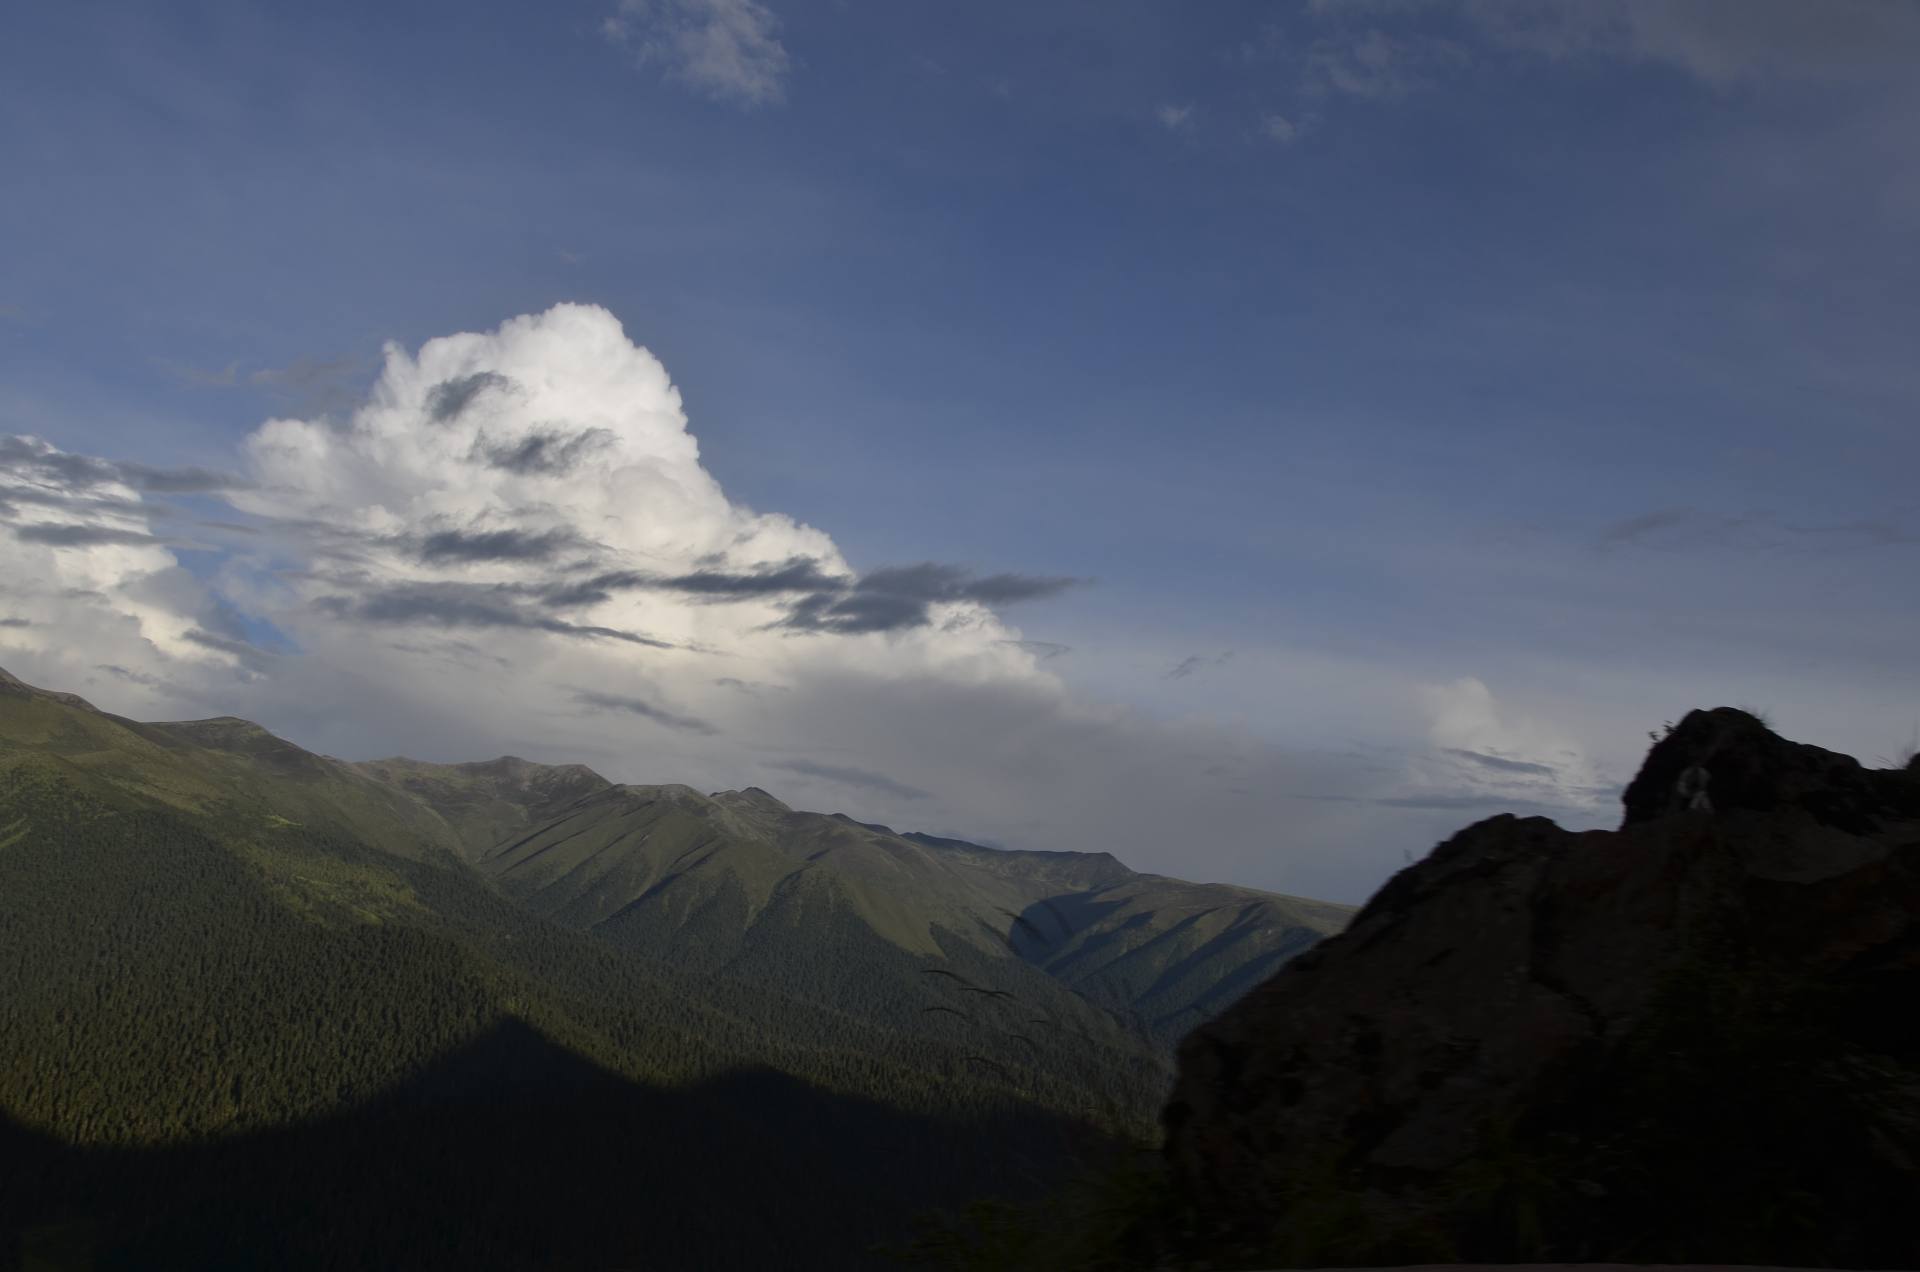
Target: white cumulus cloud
{"points": [[511, 546]]}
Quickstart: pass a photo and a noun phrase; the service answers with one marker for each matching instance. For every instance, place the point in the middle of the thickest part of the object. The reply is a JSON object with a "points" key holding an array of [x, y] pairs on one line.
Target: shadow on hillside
{"points": [[515, 1153]]}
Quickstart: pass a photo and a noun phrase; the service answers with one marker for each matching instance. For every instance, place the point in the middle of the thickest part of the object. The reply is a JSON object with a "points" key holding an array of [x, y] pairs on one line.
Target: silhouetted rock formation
{"points": [[1691, 1040]]}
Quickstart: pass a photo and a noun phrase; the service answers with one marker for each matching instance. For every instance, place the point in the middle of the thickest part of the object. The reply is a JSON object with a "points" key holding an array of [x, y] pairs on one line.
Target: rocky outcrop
{"points": [[1694, 1039]]}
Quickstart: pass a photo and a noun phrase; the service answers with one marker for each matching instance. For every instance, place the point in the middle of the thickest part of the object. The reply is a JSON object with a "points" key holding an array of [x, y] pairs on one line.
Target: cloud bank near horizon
{"points": [[511, 546]]}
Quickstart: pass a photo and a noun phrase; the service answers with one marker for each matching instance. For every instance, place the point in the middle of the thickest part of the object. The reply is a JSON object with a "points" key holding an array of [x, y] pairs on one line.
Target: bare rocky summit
{"points": [[1695, 1039]]}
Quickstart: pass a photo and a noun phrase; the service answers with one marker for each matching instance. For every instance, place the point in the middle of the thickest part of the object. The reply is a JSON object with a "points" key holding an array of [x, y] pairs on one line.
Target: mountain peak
{"points": [[514, 769], [1725, 759], [752, 797], [13, 687], [1712, 1001]]}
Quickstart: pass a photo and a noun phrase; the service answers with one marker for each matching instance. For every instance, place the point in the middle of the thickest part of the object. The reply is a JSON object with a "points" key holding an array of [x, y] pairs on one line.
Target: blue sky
{"points": [[1349, 351]]}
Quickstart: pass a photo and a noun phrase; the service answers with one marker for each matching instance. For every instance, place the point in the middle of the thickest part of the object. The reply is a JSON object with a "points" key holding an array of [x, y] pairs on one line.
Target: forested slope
{"points": [[512, 1002]]}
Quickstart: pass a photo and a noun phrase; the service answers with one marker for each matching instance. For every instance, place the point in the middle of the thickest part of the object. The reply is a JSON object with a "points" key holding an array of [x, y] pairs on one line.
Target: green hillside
{"points": [[324, 990]]}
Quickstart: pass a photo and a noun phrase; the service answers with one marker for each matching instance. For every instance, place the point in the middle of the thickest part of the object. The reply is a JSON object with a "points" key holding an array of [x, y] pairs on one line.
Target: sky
{"points": [[1255, 439]]}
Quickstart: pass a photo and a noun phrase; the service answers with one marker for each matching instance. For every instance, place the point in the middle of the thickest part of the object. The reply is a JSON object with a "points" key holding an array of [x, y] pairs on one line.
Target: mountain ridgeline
{"points": [[277, 1008]]}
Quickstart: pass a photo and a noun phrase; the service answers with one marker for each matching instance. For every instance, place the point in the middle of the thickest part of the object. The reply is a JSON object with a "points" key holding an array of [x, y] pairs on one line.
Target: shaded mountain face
{"points": [[1689, 1040], [509, 1151], [227, 938]]}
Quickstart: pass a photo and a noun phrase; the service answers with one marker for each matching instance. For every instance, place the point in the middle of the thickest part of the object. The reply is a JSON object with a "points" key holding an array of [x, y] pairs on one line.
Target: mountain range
{"points": [[240, 953]]}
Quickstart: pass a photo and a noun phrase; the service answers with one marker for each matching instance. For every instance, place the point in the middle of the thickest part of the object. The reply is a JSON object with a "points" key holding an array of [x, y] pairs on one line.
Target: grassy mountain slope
{"points": [[227, 941], [718, 882], [841, 912], [191, 966]]}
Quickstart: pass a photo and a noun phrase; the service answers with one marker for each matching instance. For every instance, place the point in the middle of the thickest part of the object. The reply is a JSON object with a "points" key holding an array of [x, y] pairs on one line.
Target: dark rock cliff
{"points": [[1694, 1039]]}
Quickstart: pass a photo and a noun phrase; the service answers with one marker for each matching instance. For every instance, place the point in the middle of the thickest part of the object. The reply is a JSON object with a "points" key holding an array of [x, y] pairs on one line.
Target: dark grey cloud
{"points": [[449, 398], [1635, 529], [16, 622], [798, 574], [72, 536], [1675, 528], [1041, 649], [1501, 764], [1198, 662], [753, 688], [464, 605], [589, 591], [849, 776], [136, 677], [494, 545], [33, 460], [42, 497], [855, 613], [547, 451], [638, 706], [884, 600], [900, 597]]}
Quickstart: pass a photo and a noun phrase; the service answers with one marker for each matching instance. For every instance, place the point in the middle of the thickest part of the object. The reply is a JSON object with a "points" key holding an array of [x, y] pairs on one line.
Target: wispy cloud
{"points": [[80, 536], [901, 597], [185, 373], [514, 544], [1721, 42], [1278, 128], [462, 605], [1041, 649], [30, 460], [303, 372], [1375, 66], [728, 50], [1198, 662], [600, 701], [847, 775], [1174, 117], [1386, 48], [1676, 529], [1501, 764]]}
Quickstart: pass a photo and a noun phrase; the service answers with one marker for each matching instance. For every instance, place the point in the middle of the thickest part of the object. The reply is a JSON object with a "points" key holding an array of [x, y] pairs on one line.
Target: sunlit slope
{"points": [[309, 927], [1062, 977], [738, 881], [224, 768], [483, 802], [230, 1039]]}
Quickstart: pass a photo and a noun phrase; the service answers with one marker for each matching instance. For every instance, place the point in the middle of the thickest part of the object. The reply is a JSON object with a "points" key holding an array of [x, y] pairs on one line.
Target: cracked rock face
{"points": [[1695, 1039]]}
